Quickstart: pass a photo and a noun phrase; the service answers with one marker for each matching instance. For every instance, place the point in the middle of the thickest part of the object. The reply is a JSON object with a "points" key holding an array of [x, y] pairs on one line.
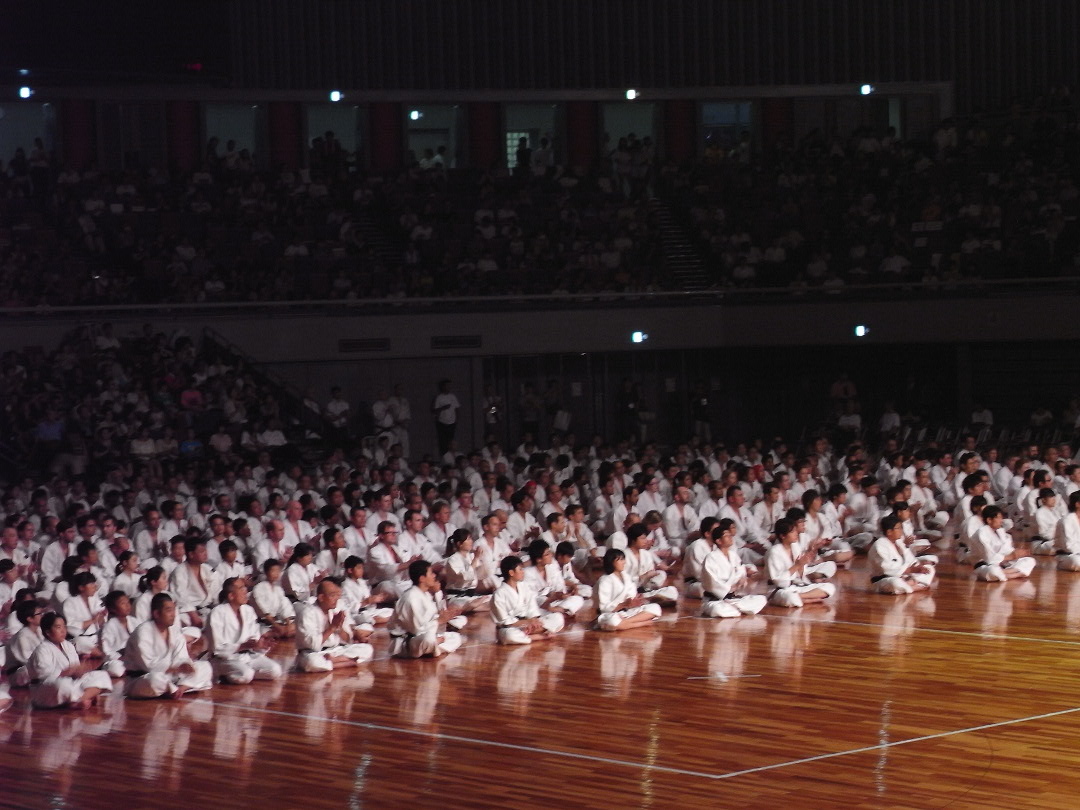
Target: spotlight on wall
{"points": [[638, 337], [862, 330], [866, 89], [335, 96], [415, 115], [631, 94], [25, 92], [24, 71]]}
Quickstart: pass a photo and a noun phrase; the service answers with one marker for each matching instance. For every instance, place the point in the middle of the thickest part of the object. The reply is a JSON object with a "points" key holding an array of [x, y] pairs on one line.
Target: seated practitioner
{"points": [[894, 569], [695, 555], [786, 564], [547, 582], [271, 604], [301, 576], [1067, 536], [515, 607], [992, 551], [645, 569], [157, 659], [236, 641], [618, 604], [85, 614], [416, 626], [564, 558], [1045, 523], [118, 628], [326, 638], [22, 645], [461, 570], [57, 675], [364, 606], [193, 584], [724, 579]]}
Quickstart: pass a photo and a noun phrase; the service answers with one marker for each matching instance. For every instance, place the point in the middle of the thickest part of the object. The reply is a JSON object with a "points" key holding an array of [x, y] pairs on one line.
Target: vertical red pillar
{"points": [[777, 121], [78, 128], [182, 134], [582, 133], [387, 135], [680, 130], [285, 128], [485, 135]]}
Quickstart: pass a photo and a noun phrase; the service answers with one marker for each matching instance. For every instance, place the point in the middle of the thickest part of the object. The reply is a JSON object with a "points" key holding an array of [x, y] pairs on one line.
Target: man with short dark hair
{"points": [[157, 660]]}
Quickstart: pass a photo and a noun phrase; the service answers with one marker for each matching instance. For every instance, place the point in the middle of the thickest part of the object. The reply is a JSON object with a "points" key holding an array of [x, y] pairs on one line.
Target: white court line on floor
{"points": [[881, 746], [629, 763], [416, 732], [985, 636]]}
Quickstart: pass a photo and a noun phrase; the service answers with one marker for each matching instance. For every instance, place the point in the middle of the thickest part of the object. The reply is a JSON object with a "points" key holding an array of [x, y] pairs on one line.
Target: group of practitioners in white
{"points": [[188, 591]]}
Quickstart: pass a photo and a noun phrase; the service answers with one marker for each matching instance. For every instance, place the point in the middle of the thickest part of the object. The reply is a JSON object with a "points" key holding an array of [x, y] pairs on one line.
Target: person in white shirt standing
{"points": [[445, 407]]}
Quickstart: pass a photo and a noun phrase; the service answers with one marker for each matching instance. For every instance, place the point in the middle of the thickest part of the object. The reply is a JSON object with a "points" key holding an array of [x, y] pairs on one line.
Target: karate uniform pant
{"points": [[657, 580], [610, 621], [791, 596], [570, 604], [862, 540], [750, 557], [246, 667], [469, 602], [84, 644], [733, 608], [898, 585], [1042, 547], [693, 590], [114, 666], [1065, 562], [319, 660], [419, 646], [157, 684], [369, 614], [825, 569], [996, 573], [56, 692], [669, 593], [394, 587], [552, 622]]}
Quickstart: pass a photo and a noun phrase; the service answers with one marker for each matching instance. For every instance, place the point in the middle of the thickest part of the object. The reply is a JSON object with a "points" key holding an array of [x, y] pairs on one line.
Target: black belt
{"points": [[981, 563], [879, 577], [1061, 553], [137, 673], [462, 591], [35, 682], [690, 580]]}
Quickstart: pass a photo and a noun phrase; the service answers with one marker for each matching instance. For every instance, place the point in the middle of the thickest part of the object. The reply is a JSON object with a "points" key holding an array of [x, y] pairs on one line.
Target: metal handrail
{"points": [[735, 296]]}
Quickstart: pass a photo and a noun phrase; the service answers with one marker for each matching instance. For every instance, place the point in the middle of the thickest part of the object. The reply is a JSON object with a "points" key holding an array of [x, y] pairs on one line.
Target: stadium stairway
{"points": [[681, 259]]}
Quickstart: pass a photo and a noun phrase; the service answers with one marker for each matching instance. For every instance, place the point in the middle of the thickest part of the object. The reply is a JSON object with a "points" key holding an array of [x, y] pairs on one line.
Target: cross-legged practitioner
{"points": [[157, 659], [894, 569], [786, 563], [724, 579], [417, 626], [619, 606], [515, 606], [325, 636], [236, 640]]}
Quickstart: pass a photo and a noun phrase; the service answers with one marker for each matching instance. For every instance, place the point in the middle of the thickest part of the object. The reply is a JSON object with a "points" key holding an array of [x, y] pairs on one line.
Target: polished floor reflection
{"points": [[962, 697]]}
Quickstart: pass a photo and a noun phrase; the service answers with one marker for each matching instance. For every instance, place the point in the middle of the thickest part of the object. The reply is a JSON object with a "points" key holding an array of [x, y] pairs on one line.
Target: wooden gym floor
{"points": [[959, 698]]}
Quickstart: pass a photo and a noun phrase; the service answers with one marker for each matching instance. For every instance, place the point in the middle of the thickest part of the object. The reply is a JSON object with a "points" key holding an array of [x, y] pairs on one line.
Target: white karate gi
{"points": [[462, 581], [226, 633], [149, 656], [610, 592], [720, 573], [48, 689], [544, 581], [382, 569], [988, 551], [353, 593], [114, 636], [490, 557], [128, 583], [639, 564], [1045, 530], [677, 525], [788, 587], [512, 604], [414, 627], [272, 601], [76, 612], [19, 649], [889, 562], [313, 652], [1067, 540], [191, 595], [299, 581], [693, 560]]}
